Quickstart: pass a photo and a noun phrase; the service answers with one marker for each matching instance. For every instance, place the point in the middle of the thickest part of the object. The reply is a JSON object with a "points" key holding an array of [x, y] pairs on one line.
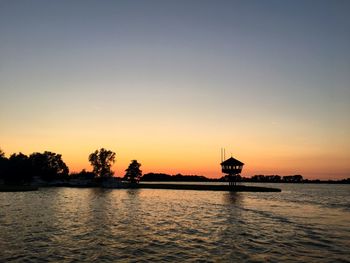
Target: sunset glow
{"points": [[171, 84]]}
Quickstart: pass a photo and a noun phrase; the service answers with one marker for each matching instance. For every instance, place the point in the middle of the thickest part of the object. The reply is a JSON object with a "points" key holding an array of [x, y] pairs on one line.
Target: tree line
{"points": [[161, 177], [277, 178], [200, 178], [49, 166], [175, 178], [20, 168]]}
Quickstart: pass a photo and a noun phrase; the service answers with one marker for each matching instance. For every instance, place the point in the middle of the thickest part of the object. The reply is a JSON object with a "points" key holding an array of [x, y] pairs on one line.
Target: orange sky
{"points": [[196, 153], [171, 83]]}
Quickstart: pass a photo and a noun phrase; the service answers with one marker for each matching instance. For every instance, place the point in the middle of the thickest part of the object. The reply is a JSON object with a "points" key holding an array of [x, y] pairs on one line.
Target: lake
{"points": [[305, 223]]}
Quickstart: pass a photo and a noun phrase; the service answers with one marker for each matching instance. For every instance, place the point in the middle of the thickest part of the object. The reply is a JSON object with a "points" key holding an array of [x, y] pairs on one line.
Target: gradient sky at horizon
{"points": [[171, 82]]}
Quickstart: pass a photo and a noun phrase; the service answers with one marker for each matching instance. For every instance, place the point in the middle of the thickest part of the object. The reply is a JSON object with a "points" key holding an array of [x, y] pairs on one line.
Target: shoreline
{"points": [[191, 187], [18, 188], [237, 188]]}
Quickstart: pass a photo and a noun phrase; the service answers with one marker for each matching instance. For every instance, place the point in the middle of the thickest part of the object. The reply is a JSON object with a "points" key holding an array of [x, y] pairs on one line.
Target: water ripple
{"points": [[85, 225]]}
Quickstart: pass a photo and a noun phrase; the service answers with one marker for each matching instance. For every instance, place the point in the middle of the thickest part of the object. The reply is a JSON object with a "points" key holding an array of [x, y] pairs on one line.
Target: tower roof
{"points": [[232, 161]]}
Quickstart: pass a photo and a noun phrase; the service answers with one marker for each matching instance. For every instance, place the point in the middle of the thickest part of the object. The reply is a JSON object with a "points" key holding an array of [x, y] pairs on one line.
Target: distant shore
{"points": [[208, 187], [161, 177], [169, 186]]}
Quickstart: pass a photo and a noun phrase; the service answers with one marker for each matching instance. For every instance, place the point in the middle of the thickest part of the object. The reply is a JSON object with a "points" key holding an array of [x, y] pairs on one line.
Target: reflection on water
{"points": [[233, 198], [67, 224]]}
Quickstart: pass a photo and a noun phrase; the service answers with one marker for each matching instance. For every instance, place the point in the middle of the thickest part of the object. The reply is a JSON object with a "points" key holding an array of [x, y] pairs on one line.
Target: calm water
{"points": [[304, 223]]}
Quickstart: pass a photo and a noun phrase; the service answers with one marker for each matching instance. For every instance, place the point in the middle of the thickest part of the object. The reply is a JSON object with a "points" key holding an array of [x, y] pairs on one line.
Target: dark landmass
{"points": [[209, 187], [17, 188], [291, 179], [161, 177], [20, 172], [20, 169]]}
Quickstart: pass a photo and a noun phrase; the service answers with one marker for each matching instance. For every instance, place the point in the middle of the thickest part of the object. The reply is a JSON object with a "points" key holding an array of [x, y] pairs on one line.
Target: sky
{"points": [[170, 83]]}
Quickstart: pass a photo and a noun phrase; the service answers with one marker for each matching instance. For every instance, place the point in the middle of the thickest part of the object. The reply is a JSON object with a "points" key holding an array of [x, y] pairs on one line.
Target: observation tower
{"points": [[232, 168]]}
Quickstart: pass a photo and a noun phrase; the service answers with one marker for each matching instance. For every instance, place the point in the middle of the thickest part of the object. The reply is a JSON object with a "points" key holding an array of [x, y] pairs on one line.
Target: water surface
{"points": [[305, 223]]}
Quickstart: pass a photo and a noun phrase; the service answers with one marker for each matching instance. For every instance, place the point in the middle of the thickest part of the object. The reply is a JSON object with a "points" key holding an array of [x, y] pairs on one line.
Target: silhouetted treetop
{"points": [[19, 168], [48, 165], [101, 161], [133, 172], [2, 154]]}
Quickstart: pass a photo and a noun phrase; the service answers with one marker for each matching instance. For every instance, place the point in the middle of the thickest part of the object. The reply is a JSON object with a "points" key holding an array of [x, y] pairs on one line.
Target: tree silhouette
{"points": [[48, 165], [18, 169], [2, 154], [133, 173], [3, 165], [101, 161]]}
